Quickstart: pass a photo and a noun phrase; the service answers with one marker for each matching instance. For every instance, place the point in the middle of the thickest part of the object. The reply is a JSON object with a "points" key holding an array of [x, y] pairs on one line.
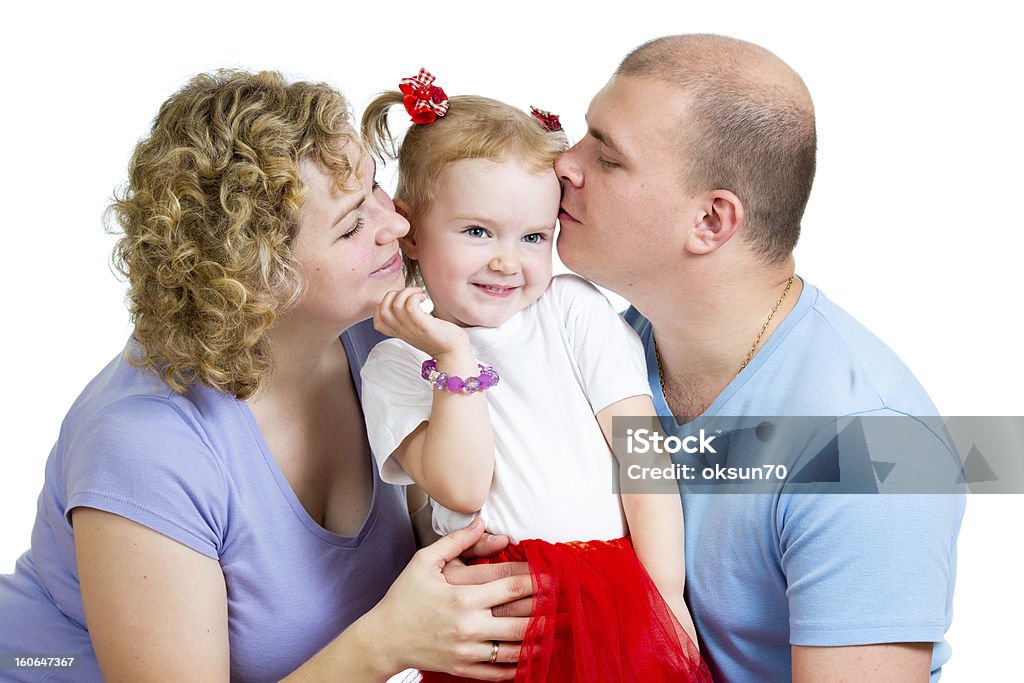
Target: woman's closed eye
{"points": [[354, 231]]}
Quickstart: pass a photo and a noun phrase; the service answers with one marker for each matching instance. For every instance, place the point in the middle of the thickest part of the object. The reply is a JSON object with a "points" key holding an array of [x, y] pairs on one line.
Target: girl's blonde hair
{"points": [[473, 128], [208, 216]]}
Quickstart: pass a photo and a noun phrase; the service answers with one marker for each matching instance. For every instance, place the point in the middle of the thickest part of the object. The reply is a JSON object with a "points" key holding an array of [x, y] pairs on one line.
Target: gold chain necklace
{"points": [[750, 354]]}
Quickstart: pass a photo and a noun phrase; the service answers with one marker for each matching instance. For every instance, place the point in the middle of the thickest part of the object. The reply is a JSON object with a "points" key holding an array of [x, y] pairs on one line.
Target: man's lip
{"points": [[564, 216], [390, 266]]}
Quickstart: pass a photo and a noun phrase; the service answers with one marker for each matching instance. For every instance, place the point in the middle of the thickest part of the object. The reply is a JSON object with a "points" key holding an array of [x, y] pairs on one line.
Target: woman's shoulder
{"points": [[360, 339], [129, 421], [132, 446], [126, 398]]}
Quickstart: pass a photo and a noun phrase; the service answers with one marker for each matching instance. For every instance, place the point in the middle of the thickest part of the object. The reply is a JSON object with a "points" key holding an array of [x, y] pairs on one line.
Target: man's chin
{"points": [[567, 247], [573, 254]]}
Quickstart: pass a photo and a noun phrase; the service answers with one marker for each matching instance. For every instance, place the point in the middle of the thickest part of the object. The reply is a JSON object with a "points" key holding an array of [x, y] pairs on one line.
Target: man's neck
{"points": [[706, 328]]}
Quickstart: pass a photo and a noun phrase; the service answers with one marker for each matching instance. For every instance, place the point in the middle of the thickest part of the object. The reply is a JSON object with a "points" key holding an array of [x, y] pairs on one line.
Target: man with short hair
{"points": [[685, 197]]}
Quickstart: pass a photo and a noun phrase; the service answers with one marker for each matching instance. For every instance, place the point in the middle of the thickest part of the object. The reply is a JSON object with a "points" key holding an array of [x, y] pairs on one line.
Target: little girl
{"points": [[499, 404]]}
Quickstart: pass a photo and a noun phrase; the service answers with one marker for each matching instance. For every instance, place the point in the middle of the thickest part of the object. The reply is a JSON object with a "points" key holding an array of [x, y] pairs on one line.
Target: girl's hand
{"points": [[399, 315]]}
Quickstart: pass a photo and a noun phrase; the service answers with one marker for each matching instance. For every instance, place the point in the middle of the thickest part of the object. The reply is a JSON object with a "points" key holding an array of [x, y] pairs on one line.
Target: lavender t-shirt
{"points": [[195, 468]]}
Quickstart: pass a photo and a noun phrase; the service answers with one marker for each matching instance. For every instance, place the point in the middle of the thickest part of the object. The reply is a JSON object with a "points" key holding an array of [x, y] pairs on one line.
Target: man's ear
{"points": [[408, 241], [723, 215]]}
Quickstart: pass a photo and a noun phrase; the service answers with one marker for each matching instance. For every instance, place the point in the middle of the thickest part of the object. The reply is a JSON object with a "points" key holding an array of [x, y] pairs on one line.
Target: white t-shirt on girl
{"points": [[561, 360]]}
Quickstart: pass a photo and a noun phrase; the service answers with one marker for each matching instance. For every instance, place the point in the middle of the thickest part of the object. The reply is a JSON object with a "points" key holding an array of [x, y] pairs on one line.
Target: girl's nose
{"points": [[504, 263]]}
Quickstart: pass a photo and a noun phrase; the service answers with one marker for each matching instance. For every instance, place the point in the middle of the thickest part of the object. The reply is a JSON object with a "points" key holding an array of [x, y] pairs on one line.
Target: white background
{"points": [[913, 225]]}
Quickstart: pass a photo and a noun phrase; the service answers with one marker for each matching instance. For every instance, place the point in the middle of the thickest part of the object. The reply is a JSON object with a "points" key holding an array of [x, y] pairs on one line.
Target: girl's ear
{"points": [[403, 209], [408, 242]]}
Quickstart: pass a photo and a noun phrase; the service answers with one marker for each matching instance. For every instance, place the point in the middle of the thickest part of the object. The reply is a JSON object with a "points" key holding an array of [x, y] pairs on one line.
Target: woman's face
{"points": [[347, 244]]}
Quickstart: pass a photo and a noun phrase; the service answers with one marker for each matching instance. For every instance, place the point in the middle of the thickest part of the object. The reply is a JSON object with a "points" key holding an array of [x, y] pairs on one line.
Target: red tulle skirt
{"points": [[597, 617]]}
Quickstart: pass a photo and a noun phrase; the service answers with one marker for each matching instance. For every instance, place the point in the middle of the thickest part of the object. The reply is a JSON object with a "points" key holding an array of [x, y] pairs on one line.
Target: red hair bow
{"points": [[547, 119], [423, 100]]}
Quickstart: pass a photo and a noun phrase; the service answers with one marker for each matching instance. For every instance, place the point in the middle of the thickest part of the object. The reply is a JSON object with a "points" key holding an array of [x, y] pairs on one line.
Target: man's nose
{"points": [[568, 169]]}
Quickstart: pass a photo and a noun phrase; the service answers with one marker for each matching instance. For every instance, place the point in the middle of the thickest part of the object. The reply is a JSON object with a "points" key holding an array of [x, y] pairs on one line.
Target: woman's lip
{"points": [[503, 292], [390, 266], [564, 216]]}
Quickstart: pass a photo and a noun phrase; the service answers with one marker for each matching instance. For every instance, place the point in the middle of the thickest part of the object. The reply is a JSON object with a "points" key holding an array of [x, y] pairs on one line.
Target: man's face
{"points": [[623, 207]]}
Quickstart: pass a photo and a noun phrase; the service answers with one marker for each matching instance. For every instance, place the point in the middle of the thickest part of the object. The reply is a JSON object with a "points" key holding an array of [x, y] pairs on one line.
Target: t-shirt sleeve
{"points": [[396, 401], [145, 460], [607, 351], [864, 568]]}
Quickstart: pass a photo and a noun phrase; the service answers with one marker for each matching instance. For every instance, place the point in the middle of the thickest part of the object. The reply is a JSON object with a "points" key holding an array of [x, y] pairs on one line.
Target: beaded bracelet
{"points": [[443, 382]]}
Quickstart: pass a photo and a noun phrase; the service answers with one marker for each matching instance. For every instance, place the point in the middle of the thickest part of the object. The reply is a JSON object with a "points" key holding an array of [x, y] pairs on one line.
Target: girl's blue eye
{"points": [[534, 238], [476, 232]]}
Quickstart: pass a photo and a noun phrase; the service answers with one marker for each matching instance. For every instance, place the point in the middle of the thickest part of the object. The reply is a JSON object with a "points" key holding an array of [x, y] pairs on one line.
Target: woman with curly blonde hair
{"points": [[210, 509]]}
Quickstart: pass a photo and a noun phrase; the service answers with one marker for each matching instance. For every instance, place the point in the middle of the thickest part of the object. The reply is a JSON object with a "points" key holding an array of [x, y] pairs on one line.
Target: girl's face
{"points": [[484, 246]]}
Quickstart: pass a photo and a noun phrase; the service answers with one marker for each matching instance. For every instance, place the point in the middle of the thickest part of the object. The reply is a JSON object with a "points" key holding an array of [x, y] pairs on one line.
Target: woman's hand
{"points": [[399, 315], [459, 573], [438, 616]]}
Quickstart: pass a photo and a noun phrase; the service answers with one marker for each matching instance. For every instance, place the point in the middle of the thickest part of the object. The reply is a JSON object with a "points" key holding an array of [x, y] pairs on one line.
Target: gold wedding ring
{"points": [[494, 652]]}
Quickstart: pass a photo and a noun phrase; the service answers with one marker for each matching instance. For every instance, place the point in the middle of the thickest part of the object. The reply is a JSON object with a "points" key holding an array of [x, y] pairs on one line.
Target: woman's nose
{"points": [[392, 224]]}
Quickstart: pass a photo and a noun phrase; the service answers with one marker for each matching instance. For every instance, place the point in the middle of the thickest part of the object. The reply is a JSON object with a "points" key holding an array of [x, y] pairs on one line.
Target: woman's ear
{"points": [[722, 218], [408, 242]]}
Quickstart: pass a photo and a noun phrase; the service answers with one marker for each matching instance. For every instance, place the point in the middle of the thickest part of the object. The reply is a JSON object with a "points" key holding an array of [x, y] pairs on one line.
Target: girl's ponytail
{"points": [[374, 125]]}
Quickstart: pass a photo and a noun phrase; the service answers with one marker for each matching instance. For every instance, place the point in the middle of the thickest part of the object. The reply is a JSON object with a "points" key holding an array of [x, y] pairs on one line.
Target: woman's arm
{"points": [[451, 456], [157, 611], [655, 523]]}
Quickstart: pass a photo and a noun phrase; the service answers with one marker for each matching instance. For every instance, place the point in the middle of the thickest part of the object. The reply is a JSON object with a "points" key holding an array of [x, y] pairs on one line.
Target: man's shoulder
{"points": [[637, 321], [844, 365]]}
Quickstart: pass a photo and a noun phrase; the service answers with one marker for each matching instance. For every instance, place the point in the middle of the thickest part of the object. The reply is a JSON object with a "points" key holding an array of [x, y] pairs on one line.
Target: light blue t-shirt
{"points": [[195, 468], [769, 570]]}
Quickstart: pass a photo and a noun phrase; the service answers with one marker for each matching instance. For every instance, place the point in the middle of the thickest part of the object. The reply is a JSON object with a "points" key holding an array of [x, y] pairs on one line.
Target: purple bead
{"points": [[471, 385], [454, 384], [428, 366], [486, 381], [441, 381]]}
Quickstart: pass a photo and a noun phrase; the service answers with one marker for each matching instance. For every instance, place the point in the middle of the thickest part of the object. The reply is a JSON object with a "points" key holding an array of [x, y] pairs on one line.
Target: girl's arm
{"points": [[157, 611], [451, 456], [655, 523]]}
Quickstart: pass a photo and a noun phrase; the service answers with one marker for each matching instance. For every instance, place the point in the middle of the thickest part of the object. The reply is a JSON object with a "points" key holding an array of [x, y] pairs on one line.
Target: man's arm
{"points": [[888, 662]]}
